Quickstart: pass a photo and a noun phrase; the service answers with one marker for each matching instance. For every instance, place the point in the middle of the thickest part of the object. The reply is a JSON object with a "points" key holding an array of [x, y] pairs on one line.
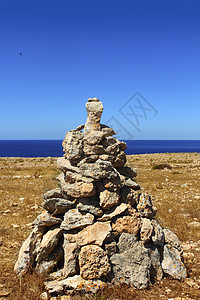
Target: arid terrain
{"points": [[172, 179]]}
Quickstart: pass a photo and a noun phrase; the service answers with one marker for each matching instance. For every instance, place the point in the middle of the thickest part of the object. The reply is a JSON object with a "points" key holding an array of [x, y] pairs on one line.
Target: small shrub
{"points": [[161, 167]]}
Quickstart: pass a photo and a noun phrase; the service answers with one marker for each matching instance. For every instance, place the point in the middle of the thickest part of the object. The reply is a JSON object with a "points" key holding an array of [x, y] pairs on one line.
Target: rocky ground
{"points": [[172, 179]]}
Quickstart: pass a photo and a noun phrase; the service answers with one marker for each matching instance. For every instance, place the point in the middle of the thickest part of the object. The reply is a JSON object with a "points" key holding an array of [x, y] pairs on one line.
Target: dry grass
{"points": [[176, 193]]}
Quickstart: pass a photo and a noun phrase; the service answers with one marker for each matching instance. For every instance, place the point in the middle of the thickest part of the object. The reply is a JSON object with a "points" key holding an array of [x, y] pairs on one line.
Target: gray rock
{"points": [[146, 230], [93, 234], [65, 165], [48, 243], [88, 159], [73, 219], [172, 263], [132, 184], [158, 237], [126, 242], [128, 195], [57, 205], [145, 206], [132, 267], [100, 169], [116, 212], [71, 256], [171, 238], [94, 112], [48, 264], [54, 193], [127, 171], [93, 262], [90, 205], [46, 219], [113, 184], [108, 131], [73, 145], [156, 269], [94, 137], [111, 248], [75, 282], [28, 251], [108, 199], [120, 160], [71, 177], [93, 149]]}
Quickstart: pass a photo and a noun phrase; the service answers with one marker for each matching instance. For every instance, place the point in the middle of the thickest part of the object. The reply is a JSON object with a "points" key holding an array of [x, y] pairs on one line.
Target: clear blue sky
{"points": [[73, 50]]}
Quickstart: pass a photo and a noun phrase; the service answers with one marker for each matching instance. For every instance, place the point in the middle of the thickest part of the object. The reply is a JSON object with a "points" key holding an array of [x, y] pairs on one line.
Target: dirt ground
{"points": [[175, 191]]}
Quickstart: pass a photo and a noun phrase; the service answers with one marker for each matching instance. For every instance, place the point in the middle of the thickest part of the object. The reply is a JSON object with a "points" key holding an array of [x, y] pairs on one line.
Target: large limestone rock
{"points": [[98, 228]]}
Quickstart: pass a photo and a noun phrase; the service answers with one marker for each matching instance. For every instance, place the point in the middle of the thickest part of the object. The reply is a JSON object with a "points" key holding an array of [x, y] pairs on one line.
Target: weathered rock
{"points": [[172, 263], [76, 282], [120, 160], [73, 219], [48, 243], [171, 238], [57, 205], [158, 237], [117, 211], [48, 264], [100, 169], [113, 184], [90, 205], [80, 127], [107, 131], [94, 137], [127, 171], [111, 248], [70, 262], [94, 112], [65, 165], [156, 269], [132, 184], [132, 267], [93, 234], [71, 177], [88, 159], [54, 193], [93, 149], [146, 230], [126, 242], [108, 199], [28, 251], [145, 206], [128, 224], [73, 145], [128, 195], [93, 262], [46, 219]]}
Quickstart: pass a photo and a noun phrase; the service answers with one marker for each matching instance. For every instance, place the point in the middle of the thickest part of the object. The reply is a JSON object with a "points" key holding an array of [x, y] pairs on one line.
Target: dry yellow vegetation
{"points": [[175, 192]]}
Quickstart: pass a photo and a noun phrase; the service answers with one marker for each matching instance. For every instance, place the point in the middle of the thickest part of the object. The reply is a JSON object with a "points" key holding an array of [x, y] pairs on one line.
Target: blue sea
{"points": [[44, 148]]}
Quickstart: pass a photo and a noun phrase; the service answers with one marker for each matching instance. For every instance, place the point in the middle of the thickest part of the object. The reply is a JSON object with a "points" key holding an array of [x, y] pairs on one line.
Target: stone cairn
{"points": [[98, 228]]}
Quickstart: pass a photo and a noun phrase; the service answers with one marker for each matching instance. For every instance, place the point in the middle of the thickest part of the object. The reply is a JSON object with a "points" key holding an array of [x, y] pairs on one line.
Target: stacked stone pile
{"points": [[97, 227]]}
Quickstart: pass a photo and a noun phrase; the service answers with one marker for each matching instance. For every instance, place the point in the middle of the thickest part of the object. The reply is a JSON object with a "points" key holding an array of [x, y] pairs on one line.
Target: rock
{"points": [[120, 160], [28, 251], [73, 219], [146, 230], [94, 137], [71, 177], [113, 184], [80, 127], [127, 171], [90, 205], [71, 256], [145, 206], [126, 242], [76, 282], [108, 131], [156, 269], [57, 206], [172, 263], [127, 224], [48, 243], [88, 159], [100, 169], [93, 234], [94, 112], [128, 195], [93, 262], [158, 237], [111, 248], [132, 184], [73, 145], [117, 211], [54, 193], [93, 149], [108, 199], [132, 267], [171, 238], [65, 165], [46, 219], [48, 264]]}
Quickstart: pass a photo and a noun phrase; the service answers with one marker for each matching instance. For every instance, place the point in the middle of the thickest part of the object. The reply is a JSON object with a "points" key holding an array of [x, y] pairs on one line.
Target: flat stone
{"points": [[73, 219], [88, 159], [127, 224], [48, 264], [117, 211], [172, 263], [48, 243], [93, 262], [171, 238], [57, 205], [100, 169], [94, 137], [108, 199], [146, 230], [132, 267], [127, 171], [93, 234], [54, 193], [75, 282], [90, 205], [46, 219], [28, 251], [126, 242], [145, 206], [71, 177], [71, 256], [108, 131], [158, 237], [73, 145], [132, 184], [156, 269]]}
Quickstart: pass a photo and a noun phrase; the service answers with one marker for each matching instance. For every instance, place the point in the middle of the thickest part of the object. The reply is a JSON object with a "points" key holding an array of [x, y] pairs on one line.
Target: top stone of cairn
{"points": [[94, 109]]}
